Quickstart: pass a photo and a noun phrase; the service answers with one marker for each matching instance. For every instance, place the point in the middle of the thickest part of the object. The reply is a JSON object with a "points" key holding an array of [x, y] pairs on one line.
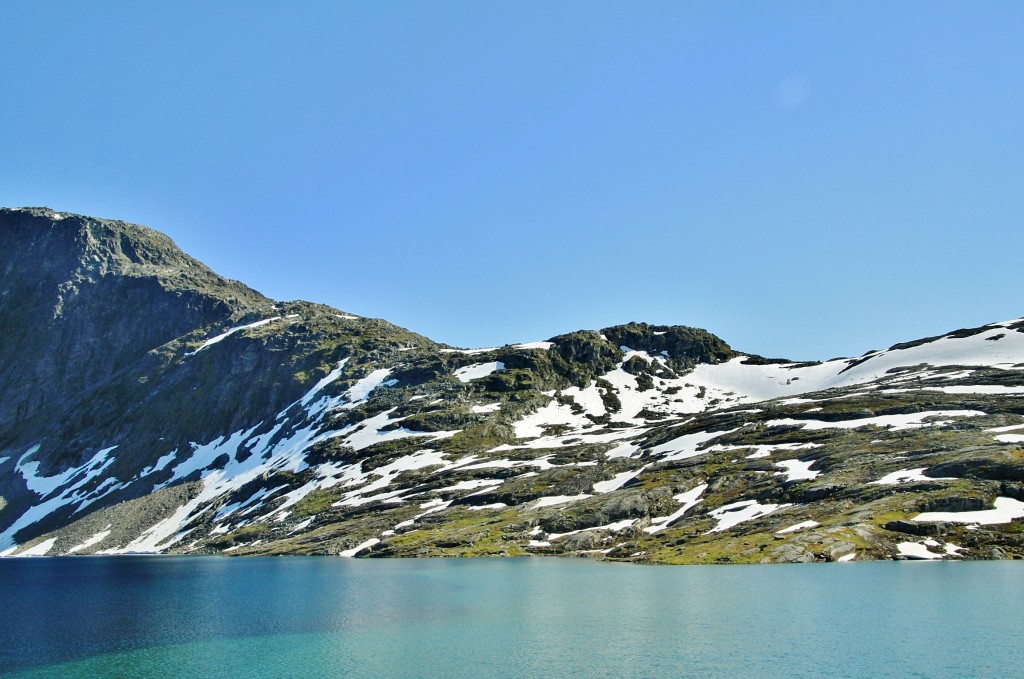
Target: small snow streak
{"points": [[231, 331]]}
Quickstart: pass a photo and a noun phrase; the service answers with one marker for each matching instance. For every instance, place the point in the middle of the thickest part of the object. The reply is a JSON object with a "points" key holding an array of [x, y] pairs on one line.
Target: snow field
{"points": [[764, 382]]}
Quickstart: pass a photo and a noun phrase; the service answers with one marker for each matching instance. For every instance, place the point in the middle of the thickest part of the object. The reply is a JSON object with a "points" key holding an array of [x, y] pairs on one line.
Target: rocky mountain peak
{"points": [[684, 345], [84, 298]]}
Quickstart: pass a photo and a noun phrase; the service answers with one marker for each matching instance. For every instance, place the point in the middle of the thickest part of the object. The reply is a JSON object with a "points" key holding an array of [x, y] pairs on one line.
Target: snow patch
{"points": [[690, 499], [554, 413], [302, 525], [45, 485], [738, 512], [534, 345], [762, 451], [907, 476], [1006, 510], [371, 431], [472, 484], [360, 391], [1012, 427], [624, 449], [477, 370], [553, 500], [795, 470], [891, 422], [617, 481], [72, 480], [39, 550], [330, 377], [353, 475], [798, 526], [160, 465], [916, 551], [94, 540], [231, 331], [349, 553], [966, 389], [613, 527], [686, 446]]}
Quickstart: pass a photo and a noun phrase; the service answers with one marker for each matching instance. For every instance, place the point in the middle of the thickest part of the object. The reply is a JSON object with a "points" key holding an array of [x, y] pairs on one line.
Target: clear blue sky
{"points": [[805, 179]]}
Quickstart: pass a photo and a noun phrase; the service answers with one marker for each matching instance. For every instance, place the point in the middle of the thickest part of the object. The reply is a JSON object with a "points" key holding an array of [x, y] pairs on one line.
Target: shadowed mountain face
{"points": [[83, 298], [149, 405]]}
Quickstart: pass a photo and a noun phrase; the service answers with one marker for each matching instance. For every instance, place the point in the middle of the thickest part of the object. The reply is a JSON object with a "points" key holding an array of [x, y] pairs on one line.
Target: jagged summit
{"points": [[87, 299], [75, 247], [149, 405]]}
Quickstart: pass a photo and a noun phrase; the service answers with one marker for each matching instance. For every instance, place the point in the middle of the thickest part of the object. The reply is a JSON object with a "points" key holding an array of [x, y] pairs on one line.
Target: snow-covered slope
{"points": [[994, 345], [267, 428]]}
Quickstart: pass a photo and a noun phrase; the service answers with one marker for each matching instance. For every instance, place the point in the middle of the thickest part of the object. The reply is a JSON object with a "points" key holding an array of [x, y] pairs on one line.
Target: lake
{"points": [[328, 617]]}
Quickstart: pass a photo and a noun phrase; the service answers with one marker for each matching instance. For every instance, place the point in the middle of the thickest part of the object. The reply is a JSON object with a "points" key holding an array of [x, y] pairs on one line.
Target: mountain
{"points": [[149, 405]]}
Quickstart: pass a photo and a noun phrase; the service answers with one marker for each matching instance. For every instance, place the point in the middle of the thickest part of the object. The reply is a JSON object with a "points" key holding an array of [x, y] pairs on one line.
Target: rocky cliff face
{"points": [[83, 298], [149, 405]]}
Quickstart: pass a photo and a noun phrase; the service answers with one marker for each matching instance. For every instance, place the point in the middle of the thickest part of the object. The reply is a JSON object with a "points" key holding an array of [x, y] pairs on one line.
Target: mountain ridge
{"points": [[149, 405]]}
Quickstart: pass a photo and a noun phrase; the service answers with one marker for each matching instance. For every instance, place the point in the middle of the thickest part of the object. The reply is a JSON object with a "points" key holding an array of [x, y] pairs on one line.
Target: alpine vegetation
{"points": [[148, 405]]}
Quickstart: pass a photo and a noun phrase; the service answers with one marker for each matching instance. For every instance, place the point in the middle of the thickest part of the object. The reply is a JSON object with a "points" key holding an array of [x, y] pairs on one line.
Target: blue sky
{"points": [[804, 179]]}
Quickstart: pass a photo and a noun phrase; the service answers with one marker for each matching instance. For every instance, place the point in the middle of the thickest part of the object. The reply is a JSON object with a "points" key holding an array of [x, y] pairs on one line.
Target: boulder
{"points": [[590, 539]]}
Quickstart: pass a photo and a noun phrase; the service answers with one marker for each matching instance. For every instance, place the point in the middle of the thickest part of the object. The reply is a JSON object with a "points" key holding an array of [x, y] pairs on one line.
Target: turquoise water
{"points": [[327, 617]]}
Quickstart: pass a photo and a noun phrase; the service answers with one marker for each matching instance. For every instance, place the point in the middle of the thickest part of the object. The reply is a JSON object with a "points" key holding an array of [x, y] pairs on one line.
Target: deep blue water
{"points": [[326, 617]]}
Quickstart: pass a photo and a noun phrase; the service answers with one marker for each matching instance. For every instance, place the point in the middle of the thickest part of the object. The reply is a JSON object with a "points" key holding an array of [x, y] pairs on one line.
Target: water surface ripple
{"points": [[325, 617]]}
